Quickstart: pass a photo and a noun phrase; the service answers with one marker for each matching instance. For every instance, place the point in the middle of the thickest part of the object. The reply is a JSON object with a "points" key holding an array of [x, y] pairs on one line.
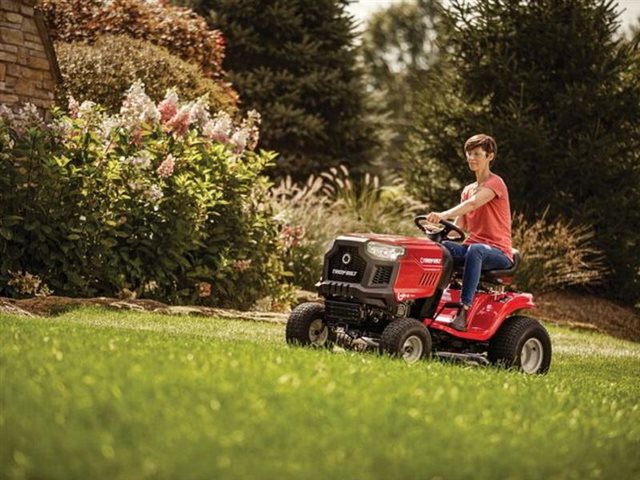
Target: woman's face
{"points": [[478, 159]]}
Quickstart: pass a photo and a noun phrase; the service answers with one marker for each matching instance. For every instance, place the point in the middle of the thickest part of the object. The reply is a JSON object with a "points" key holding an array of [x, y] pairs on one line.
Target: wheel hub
{"points": [[531, 355], [412, 349], [318, 332]]}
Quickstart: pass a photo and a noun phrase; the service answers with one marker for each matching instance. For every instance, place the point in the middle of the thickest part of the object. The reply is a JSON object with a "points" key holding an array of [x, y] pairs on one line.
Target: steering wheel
{"points": [[439, 231]]}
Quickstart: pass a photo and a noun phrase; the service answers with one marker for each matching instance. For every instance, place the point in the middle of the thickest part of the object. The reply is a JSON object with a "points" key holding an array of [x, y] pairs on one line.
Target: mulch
{"points": [[54, 305], [589, 312]]}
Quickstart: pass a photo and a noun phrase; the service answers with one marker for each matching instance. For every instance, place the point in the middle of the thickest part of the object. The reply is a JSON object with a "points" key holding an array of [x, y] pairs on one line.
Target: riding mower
{"points": [[399, 295]]}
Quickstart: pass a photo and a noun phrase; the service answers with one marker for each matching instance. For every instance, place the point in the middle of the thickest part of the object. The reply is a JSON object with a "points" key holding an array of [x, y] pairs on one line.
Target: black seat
{"points": [[504, 275]]}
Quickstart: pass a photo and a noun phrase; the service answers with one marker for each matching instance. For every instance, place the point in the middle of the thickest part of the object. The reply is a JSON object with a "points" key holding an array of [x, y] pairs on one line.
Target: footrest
{"points": [[452, 305]]}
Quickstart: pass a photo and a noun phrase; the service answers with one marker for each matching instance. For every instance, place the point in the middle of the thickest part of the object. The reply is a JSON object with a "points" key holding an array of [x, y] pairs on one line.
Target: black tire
{"points": [[406, 338], [306, 326], [516, 334]]}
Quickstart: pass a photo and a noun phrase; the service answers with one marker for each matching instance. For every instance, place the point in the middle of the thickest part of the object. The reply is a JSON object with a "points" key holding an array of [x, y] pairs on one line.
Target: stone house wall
{"points": [[28, 67]]}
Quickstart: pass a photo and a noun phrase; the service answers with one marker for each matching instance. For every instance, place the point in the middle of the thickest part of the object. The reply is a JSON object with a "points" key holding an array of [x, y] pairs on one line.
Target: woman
{"points": [[485, 213]]}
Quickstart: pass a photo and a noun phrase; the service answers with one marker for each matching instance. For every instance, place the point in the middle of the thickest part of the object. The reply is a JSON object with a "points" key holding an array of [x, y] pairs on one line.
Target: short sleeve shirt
{"points": [[491, 223]]}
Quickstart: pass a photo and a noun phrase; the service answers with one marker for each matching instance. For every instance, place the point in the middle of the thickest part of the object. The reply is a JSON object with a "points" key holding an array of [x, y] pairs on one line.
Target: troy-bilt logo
{"points": [[430, 261], [404, 296], [346, 273]]}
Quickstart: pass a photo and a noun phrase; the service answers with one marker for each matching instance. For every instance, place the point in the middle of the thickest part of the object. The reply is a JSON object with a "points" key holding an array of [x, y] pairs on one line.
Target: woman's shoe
{"points": [[460, 322]]}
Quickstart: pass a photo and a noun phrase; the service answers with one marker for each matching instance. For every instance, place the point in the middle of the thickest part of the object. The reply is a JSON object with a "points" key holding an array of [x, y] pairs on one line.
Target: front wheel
{"points": [[522, 343], [306, 326], [407, 339]]}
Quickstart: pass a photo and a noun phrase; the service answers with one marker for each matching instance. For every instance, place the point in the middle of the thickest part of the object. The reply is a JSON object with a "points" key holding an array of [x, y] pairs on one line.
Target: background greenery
{"points": [[556, 254], [553, 80], [179, 30], [557, 86], [399, 47], [295, 62], [93, 394], [102, 72]]}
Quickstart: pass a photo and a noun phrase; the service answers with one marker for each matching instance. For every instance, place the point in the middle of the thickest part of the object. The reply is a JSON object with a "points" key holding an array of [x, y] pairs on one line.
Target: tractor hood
{"points": [[399, 240]]}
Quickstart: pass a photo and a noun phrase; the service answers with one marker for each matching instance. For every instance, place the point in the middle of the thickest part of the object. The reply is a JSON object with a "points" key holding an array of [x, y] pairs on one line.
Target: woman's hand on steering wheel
{"points": [[437, 228], [434, 217]]}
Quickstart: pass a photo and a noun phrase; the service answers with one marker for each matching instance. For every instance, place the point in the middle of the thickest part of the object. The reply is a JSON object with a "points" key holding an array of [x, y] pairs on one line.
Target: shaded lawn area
{"points": [[101, 394]]}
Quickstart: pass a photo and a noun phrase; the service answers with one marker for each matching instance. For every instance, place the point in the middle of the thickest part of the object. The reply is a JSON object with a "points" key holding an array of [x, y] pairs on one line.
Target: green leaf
{"points": [[6, 233], [12, 220]]}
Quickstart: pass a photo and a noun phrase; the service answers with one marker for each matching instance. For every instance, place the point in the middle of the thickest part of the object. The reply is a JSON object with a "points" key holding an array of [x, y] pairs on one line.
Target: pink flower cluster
{"points": [[177, 119], [292, 236], [204, 289], [241, 265], [165, 169], [180, 122], [247, 136], [169, 106], [219, 128]]}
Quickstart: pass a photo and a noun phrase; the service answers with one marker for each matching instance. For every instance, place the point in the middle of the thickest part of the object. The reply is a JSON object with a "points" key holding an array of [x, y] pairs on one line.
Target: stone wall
{"points": [[28, 67]]}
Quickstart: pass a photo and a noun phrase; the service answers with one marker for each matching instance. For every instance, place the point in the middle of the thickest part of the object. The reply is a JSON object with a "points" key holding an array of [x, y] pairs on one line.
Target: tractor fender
{"points": [[490, 311]]}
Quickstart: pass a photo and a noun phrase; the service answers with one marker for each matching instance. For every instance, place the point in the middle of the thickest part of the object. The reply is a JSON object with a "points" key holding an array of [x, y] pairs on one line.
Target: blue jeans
{"points": [[475, 258]]}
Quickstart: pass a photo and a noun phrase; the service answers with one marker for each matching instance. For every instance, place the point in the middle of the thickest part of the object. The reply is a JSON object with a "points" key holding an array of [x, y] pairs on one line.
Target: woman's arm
{"points": [[475, 201]]}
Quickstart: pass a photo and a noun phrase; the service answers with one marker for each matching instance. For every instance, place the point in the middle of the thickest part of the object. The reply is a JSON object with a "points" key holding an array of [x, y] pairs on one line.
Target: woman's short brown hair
{"points": [[487, 143]]}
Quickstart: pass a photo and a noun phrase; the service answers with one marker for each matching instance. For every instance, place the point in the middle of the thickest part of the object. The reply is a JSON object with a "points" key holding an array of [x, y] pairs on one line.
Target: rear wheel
{"points": [[522, 343], [407, 339], [306, 326]]}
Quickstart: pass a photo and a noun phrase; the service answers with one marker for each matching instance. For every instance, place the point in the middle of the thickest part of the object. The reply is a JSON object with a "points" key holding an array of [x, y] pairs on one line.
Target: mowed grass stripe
{"points": [[95, 394]]}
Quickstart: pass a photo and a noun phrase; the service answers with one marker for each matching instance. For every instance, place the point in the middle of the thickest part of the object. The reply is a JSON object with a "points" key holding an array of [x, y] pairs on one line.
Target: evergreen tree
{"points": [[294, 61], [558, 88]]}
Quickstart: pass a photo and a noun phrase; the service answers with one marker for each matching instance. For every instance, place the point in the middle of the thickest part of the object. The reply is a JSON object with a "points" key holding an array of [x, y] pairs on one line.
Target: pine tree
{"points": [[558, 87], [294, 61]]}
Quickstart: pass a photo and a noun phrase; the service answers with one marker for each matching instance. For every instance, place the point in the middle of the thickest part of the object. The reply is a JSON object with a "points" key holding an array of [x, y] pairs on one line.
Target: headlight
{"points": [[383, 251]]}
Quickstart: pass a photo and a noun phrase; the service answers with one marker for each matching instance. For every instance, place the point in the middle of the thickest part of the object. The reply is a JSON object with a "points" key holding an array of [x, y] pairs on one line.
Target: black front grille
{"points": [[382, 275], [343, 312], [346, 265]]}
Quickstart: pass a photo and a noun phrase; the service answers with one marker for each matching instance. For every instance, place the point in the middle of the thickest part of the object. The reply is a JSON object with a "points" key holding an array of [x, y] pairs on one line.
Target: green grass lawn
{"points": [[96, 394]]}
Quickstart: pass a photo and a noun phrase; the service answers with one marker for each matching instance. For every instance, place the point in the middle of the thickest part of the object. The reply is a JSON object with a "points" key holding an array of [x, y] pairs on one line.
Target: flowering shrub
{"points": [[179, 30], [163, 199], [102, 72]]}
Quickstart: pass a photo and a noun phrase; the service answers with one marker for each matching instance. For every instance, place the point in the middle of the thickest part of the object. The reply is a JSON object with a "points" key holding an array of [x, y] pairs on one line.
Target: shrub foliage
{"points": [[179, 30], [103, 72], [163, 200], [555, 255]]}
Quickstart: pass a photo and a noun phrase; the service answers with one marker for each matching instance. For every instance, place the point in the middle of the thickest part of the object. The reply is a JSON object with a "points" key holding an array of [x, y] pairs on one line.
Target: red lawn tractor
{"points": [[400, 295]]}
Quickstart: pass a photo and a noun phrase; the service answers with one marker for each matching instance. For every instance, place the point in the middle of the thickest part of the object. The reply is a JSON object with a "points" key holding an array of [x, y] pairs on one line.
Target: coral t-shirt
{"points": [[491, 223]]}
